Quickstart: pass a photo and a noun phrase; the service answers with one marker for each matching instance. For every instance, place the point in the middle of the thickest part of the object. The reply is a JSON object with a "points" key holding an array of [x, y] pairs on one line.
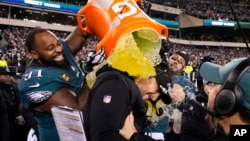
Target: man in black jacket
{"points": [[15, 121], [111, 99], [115, 92], [9, 93], [4, 123]]}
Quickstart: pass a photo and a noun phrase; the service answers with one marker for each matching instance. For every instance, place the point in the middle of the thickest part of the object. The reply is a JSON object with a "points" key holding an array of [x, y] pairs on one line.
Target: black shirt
{"points": [[111, 99]]}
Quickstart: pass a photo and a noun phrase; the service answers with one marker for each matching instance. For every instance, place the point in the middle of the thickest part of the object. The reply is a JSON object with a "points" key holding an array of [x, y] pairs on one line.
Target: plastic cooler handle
{"points": [[79, 22]]}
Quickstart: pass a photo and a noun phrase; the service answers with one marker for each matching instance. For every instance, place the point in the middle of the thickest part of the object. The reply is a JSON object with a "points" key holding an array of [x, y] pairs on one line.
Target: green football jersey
{"points": [[39, 83]]}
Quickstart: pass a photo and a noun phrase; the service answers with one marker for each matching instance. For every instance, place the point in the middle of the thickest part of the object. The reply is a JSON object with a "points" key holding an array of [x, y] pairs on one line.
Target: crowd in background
{"points": [[12, 49], [204, 9], [210, 9], [12, 38]]}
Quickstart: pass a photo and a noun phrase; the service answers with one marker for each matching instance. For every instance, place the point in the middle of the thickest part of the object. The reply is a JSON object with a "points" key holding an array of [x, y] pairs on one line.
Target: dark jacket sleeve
{"points": [[4, 123], [194, 123], [141, 137]]}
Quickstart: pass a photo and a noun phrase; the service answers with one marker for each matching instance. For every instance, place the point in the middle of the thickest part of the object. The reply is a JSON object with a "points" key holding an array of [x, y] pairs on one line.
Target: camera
{"points": [[207, 59]]}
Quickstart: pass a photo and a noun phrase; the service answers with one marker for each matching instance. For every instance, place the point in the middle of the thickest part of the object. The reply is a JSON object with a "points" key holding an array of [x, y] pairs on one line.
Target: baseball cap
{"points": [[218, 74], [184, 55], [6, 70]]}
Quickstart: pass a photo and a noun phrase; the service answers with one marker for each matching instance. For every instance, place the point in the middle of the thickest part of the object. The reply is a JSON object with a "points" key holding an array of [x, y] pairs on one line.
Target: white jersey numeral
{"points": [[118, 7], [27, 76]]}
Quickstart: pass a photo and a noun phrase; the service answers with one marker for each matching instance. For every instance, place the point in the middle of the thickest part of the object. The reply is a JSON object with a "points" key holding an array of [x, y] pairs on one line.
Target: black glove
{"points": [[94, 59], [164, 81], [165, 47]]}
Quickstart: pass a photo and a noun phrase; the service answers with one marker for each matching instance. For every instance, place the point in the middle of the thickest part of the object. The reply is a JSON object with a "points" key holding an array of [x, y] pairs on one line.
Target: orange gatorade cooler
{"points": [[122, 23]]}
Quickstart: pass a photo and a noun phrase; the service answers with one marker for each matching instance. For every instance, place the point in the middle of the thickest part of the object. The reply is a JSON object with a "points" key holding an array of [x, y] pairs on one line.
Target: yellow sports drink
{"points": [[131, 39]]}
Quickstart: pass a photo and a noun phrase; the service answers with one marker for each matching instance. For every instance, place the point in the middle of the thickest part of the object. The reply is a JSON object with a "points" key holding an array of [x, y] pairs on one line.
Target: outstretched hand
{"points": [[93, 59], [177, 93], [128, 128]]}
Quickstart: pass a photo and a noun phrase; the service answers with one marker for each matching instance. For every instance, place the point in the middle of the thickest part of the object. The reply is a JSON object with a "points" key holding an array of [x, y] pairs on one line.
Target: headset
{"points": [[230, 97]]}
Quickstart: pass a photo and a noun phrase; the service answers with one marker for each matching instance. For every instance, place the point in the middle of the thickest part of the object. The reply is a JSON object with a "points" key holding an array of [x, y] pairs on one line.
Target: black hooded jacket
{"points": [[110, 101], [4, 122], [10, 101]]}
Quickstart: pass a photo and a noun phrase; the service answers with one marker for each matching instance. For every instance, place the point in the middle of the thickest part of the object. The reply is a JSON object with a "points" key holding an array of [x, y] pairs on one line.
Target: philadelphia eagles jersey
{"points": [[39, 83]]}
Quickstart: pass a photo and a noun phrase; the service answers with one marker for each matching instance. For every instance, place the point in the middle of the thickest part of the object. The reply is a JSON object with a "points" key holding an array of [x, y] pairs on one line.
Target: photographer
{"points": [[194, 126]]}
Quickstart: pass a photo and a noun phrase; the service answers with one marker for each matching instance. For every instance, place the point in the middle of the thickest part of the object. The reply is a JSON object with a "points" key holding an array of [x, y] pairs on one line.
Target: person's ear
{"points": [[34, 55], [168, 56], [183, 68]]}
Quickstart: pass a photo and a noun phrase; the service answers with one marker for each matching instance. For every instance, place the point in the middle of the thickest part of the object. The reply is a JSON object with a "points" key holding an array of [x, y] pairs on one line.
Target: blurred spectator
{"points": [[3, 43], [3, 61], [4, 122], [19, 63], [10, 94], [9, 57]]}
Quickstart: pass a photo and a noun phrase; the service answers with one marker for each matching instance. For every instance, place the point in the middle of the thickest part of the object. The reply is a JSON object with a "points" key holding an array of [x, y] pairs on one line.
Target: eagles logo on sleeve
{"points": [[39, 96]]}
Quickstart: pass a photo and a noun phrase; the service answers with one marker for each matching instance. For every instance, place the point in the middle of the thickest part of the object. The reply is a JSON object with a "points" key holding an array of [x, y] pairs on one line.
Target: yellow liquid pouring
{"points": [[135, 53]]}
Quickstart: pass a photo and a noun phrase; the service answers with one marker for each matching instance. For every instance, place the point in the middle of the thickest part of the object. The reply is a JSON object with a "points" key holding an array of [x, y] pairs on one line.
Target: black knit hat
{"points": [[5, 70], [184, 55]]}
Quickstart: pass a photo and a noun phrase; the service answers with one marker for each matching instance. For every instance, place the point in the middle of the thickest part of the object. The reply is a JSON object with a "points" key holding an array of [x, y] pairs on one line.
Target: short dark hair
{"points": [[30, 42]]}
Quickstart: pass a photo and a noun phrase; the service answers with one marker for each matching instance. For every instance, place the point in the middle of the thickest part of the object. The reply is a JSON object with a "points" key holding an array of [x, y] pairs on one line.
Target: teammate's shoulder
{"points": [[38, 77], [46, 71], [37, 74]]}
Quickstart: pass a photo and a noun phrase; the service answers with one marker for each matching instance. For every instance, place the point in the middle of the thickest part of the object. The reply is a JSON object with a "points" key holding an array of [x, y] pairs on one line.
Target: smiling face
{"points": [[176, 63], [48, 50]]}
